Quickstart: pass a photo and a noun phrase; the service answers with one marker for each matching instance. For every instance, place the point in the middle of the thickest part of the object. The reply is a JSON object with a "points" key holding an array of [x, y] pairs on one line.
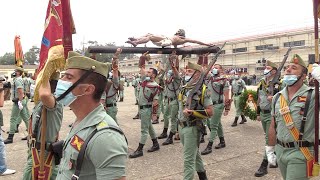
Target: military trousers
{"points": [[112, 112], [236, 101], [292, 163], [171, 112], [16, 114], [190, 137], [214, 122], [161, 106], [121, 94], [27, 173], [166, 113], [146, 125], [265, 121], [136, 93]]}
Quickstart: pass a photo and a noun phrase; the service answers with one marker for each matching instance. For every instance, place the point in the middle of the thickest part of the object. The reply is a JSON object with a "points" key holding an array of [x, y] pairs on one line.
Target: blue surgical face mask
{"points": [[187, 78], [63, 86], [169, 73], [148, 78], [290, 79], [214, 71], [267, 73]]}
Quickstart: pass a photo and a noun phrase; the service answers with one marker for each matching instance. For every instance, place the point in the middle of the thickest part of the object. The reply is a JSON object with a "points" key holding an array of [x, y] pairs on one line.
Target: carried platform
{"points": [[154, 50]]}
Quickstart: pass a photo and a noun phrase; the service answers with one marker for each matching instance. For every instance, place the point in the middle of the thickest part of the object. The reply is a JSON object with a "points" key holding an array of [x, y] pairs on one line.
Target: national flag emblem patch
{"points": [[302, 98], [76, 142]]}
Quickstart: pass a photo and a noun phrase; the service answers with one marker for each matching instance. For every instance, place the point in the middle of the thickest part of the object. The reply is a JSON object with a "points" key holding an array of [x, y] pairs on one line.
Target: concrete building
{"points": [[247, 54], [7, 70]]}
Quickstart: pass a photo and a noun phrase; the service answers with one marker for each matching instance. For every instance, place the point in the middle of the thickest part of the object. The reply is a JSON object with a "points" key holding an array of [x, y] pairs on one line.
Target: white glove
{"points": [[272, 158], [20, 105], [316, 72]]}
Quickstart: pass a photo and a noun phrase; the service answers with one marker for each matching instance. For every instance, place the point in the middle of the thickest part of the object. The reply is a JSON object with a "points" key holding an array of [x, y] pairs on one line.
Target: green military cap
{"points": [[269, 63], [194, 66], [19, 69], [77, 61], [298, 60]]}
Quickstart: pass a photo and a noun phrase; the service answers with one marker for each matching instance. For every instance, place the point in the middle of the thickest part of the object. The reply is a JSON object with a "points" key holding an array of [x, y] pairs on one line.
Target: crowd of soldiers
{"points": [[96, 148]]}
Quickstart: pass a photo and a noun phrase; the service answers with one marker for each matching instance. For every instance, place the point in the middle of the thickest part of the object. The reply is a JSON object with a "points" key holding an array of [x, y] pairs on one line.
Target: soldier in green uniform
{"points": [[136, 84], [148, 99], [263, 109], [54, 114], [112, 88], [19, 107], [291, 132], [121, 88], [160, 81], [237, 86], [172, 82], [219, 89], [191, 120], [105, 155]]}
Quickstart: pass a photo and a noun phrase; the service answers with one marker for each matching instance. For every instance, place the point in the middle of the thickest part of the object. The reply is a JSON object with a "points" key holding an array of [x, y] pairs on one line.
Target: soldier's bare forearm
{"points": [[45, 95], [272, 134]]}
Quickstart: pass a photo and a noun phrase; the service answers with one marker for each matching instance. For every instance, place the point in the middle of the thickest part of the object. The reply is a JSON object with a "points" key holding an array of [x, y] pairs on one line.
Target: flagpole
{"points": [[316, 108]]}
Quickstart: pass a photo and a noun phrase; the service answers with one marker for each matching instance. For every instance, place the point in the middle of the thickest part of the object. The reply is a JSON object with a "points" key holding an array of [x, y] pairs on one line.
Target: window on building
{"points": [[150, 62], [223, 52], [263, 47], [294, 43], [129, 64], [135, 64], [237, 50]]}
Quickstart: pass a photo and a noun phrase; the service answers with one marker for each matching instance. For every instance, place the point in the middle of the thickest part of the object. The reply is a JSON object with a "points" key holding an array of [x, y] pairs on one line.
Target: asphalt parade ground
{"points": [[240, 158]]}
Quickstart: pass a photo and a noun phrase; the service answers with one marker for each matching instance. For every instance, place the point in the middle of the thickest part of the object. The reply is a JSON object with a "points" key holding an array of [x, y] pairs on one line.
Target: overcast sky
{"points": [[116, 20]]}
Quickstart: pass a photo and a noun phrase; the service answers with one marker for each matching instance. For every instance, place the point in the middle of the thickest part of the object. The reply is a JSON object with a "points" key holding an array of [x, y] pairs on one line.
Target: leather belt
{"points": [[145, 106], [111, 105], [237, 94], [37, 145], [217, 102], [265, 111], [185, 123], [292, 144]]}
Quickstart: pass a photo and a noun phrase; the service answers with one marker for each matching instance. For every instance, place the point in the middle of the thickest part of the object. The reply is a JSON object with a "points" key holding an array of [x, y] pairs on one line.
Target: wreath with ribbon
{"points": [[248, 103]]}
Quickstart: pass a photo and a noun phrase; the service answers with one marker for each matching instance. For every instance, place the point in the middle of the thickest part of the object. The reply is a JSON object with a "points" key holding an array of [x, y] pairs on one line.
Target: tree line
{"points": [[31, 57]]}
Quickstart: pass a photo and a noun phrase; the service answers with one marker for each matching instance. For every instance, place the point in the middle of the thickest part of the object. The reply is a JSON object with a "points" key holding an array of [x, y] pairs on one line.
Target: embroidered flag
{"points": [[76, 142]]}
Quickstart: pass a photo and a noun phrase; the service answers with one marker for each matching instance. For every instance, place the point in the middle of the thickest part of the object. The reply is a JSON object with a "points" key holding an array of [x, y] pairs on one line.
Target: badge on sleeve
{"points": [[76, 142], [302, 98]]}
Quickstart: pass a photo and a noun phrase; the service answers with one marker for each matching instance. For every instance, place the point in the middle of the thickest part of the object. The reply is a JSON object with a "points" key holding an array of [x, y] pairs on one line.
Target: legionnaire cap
{"points": [[19, 69], [298, 60], [194, 66], [269, 63], [77, 61]]}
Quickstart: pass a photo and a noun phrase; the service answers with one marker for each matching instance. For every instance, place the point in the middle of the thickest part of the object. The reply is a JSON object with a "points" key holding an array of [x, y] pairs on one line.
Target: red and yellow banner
{"points": [[18, 52]]}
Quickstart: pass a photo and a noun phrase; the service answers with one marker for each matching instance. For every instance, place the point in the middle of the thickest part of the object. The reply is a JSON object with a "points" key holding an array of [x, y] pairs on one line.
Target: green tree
{"points": [[7, 59], [32, 56]]}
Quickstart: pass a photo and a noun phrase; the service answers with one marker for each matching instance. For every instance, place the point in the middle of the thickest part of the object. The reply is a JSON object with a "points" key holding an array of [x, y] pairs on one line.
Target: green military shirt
{"points": [[17, 84], [296, 104], [54, 119], [196, 99], [263, 90], [172, 86], [238, 86], [112, 95], [122, 81], [217, 85], [106, 153], [26, 83], [147, 90]]}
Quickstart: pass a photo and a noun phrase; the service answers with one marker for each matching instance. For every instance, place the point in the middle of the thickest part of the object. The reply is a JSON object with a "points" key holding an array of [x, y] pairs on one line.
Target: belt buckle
{"points": [[290, 125]]}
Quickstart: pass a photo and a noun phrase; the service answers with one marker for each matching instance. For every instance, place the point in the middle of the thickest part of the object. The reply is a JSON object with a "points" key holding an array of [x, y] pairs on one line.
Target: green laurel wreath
{"points": [[247, 111]]}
